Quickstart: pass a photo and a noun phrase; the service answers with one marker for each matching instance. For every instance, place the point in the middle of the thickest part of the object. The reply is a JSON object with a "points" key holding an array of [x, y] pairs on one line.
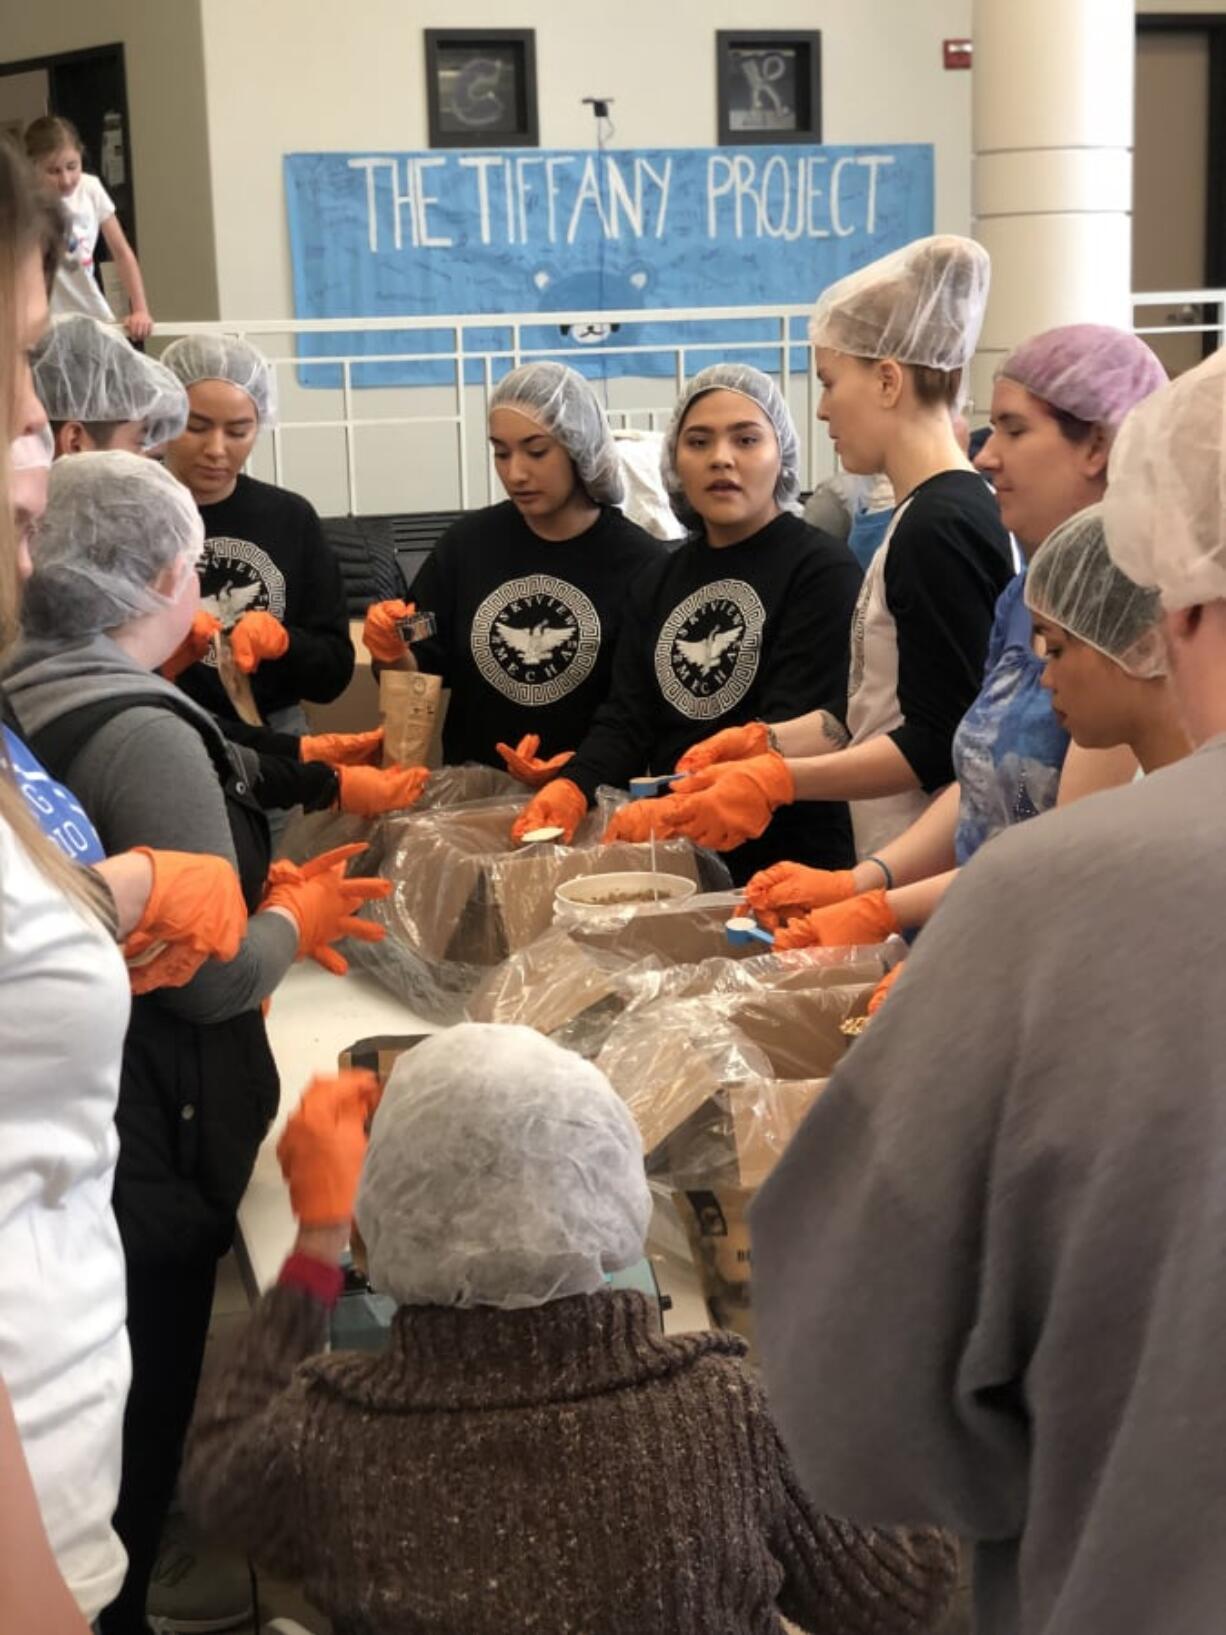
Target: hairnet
{"points": [[1092, 371], [759, 389], [1072, 582], [502, 1171], [922, 305], [85, 371], [226, 357], [113, 522], [34, 451], [563, 404], [1165, 506]]}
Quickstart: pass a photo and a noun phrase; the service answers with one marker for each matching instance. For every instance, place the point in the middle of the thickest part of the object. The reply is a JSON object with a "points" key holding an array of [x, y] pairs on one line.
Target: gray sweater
{"points": [[990, 1271], [146, 779]]}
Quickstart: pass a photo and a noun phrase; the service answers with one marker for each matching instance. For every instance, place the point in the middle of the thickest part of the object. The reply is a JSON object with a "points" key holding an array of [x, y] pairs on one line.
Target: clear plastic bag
{"points": [[718, 1082], [465, 898]]}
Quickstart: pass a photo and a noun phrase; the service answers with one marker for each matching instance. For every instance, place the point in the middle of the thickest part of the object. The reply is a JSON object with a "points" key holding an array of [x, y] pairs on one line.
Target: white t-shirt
{"points": [[64, 1003], [76, 289]]}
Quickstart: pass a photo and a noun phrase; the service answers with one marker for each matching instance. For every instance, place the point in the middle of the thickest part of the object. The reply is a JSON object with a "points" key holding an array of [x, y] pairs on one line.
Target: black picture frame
{"points": [[497, 108], [770, 86]]}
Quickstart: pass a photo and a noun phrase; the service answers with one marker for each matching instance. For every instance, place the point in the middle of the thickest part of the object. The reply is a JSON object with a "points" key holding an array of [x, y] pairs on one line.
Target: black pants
{"points": [[169, 1306]]}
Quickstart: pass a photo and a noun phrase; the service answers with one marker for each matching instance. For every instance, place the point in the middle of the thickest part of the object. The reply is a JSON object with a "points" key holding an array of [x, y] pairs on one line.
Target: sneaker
{"points": [[196, 1589]]}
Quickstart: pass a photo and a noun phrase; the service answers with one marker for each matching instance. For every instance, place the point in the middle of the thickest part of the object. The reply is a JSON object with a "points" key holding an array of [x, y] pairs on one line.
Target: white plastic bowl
{"points": [[599, 893]]}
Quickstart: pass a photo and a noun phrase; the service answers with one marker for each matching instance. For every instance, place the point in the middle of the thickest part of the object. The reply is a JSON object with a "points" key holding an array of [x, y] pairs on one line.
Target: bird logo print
{"points": [[535, 643], [706, 653]]}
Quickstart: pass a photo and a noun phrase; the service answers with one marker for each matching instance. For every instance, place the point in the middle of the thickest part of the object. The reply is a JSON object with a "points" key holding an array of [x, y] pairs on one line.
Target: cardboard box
{"points": [[465, 893], [718, 1086], [577, 976], [716, 1222], [379, 1053]]}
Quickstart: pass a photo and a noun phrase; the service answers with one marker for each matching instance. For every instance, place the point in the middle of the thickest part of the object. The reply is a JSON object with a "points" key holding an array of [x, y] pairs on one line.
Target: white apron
{"points": [[872, 702]]}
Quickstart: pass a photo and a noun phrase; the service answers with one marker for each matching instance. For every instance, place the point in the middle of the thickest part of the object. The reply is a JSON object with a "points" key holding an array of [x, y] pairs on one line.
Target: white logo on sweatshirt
{"points": [[536, 639], [237, 577], [708, 650]]}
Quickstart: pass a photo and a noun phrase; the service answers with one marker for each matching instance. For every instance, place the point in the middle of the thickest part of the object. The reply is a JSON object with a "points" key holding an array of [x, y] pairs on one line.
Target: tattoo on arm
{"points": [[834, 730]]}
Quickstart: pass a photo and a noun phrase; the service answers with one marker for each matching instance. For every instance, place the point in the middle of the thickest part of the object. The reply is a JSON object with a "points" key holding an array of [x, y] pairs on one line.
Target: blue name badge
{"points": [[57, 811]]}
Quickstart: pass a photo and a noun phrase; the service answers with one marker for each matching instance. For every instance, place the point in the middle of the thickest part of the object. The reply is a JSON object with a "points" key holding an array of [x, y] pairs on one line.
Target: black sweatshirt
{"points": [[265, 552], [947, 561], [716, 637], [526, 626]]}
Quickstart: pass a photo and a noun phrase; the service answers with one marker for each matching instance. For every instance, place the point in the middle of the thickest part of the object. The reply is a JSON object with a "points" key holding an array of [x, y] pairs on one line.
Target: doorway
{"points": [[1179, 174], [90, 88]]}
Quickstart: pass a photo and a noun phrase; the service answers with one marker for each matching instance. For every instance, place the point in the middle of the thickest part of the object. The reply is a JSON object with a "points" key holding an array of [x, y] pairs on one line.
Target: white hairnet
{"points": [[85, 371], [922, 305], [1165, 506], [759, 389], [563, 404], [1072, 582], [502, 1171], [34, 451], [113, 522], [226, 357]]}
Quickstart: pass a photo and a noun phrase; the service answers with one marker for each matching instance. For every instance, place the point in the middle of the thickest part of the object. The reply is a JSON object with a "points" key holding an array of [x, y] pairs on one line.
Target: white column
{"points": [[1052, 135]]}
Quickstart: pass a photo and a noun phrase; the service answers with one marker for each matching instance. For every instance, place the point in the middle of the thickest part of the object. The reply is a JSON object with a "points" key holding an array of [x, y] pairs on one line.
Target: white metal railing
{"points": [[778, 341], [347, 411]]}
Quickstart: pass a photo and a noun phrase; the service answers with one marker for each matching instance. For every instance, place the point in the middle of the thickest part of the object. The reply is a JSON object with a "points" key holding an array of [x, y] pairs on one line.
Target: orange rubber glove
{"points": [[858, 923], [881, 992], [256, 637], [323, 901], [732, 744], [379, 633], [522, 762], [728, 803], [638, 820], [324, 1143], [777, 894], [195, 912], [561, 804], [343, 748], [369, 791], [194, 645]]}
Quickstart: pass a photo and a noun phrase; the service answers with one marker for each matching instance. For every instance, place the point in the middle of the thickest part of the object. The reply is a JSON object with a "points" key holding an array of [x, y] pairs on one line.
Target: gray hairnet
{"points": [[226, 357], [85, 371], [1094, 372], [923, 305], [759, 389], [502, 1171], [1072, 582], [1165, 506], [113, 523], [563, 404]]}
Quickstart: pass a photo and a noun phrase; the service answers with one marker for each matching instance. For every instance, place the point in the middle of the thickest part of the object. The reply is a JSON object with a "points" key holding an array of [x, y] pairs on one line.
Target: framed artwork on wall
{"points": [[481, 87], [770, 86]]}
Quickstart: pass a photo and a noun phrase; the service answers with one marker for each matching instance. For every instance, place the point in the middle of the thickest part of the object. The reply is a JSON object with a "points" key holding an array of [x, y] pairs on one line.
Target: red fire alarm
{"points": [[957, 53]]}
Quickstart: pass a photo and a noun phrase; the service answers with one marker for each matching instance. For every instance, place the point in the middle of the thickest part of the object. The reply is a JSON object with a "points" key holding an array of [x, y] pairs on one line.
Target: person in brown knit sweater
{"points": [[530, 1453]]}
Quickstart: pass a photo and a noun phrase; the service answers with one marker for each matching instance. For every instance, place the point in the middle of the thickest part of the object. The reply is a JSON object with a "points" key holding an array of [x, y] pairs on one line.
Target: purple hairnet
{"points": [[1093, 371]]}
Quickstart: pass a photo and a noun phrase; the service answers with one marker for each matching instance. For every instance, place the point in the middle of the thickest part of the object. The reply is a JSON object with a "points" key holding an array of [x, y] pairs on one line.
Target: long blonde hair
{"points": [[23, 232]]}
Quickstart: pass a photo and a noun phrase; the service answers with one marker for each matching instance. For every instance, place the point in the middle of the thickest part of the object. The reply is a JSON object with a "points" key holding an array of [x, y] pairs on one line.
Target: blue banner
{"points": [[517, 230]]}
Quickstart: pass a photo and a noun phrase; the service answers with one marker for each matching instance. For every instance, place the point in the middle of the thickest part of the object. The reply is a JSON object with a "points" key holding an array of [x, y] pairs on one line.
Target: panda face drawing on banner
{"points": [[590, 291], [708, 649], [237, 577], [536, 639]]}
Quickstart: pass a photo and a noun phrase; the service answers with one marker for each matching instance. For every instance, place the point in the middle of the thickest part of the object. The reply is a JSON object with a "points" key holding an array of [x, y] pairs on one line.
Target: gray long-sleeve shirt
{"points": [[990, 1271], [146, 779]]}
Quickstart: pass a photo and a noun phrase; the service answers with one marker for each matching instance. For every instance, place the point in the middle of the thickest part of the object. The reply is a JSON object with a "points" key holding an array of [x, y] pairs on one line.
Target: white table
{"points": [[314, 1016]]}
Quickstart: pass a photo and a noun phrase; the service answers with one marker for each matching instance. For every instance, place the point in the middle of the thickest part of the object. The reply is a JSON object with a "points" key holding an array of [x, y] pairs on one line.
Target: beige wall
{"points": [[164, 56], [301, 75]]}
